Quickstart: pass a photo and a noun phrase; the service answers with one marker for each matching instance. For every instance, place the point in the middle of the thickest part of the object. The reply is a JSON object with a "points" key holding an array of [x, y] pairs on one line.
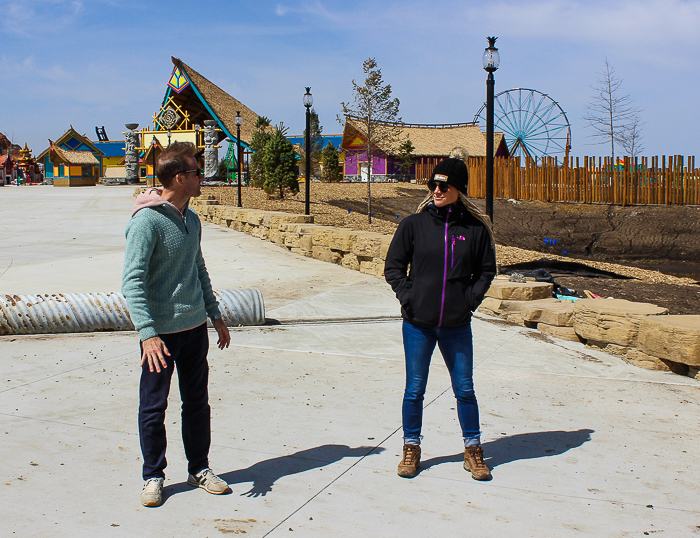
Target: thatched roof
{"points": [[65, 136], [222, 104], [433, 140], [71, 157]]}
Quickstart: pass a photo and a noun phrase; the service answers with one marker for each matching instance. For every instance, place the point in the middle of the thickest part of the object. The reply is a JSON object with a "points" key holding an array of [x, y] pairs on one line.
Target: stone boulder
{"points": [[563, 332], [612, 321], [674, 338], [516, 291], [550, 312]]}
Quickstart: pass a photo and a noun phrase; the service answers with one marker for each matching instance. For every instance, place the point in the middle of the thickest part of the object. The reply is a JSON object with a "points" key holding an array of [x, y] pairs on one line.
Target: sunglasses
{"points": [[439, 185], [194, 170]]}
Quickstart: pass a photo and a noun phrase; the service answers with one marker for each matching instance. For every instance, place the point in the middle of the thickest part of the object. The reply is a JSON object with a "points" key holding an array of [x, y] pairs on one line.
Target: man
{"points": [[169, 296]]}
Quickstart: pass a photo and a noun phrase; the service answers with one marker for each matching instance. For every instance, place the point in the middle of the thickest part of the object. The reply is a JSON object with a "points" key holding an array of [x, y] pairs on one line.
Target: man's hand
{"points": [[224, 335], [153, 351]]}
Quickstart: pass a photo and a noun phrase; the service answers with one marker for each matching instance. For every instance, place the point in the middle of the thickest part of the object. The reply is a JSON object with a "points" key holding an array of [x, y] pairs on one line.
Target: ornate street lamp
{"points": [[490, 60], [197, 128], [308, 102], [239, 122], [154, 143]]}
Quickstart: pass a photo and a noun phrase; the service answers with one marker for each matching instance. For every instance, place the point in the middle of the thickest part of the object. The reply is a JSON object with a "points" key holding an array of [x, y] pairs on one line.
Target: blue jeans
{"points": [[457, 350]]}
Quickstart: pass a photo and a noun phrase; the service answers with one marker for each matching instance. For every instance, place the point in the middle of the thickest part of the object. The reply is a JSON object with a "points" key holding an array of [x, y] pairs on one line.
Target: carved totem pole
{"points": [[211, 151], [131, 156]]}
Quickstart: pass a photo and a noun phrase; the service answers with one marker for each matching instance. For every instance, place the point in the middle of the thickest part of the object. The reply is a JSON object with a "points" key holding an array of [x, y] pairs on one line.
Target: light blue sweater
{"points": [[165, 281]]}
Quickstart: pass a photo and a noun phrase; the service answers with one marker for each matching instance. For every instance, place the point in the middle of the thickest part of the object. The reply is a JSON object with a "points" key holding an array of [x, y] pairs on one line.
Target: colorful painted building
{"points": [[72, 161], [432, 143], [190, 100], [112, 155], [8, 170]]}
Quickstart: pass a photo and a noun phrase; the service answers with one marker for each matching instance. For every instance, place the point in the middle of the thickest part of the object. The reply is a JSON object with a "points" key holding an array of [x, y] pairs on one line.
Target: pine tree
{"points": [[405, 158], [279, 165], [331, 167], [316, 145], [258, 143]]}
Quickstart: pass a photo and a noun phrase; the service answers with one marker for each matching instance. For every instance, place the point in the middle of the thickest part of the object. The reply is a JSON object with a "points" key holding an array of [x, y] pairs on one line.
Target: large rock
{"points": [[612, 321], [516, 291], [642, 360], [563, 332], [674, 338], [550, 312]]}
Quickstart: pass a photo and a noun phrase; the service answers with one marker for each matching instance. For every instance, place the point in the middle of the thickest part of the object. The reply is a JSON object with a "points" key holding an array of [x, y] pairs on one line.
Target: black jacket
{"points": [[452, 263]]}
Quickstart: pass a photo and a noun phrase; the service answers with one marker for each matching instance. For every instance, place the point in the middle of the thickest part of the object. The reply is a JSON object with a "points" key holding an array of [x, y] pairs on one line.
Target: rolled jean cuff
{"points": [[412, 440], [472, 441]]}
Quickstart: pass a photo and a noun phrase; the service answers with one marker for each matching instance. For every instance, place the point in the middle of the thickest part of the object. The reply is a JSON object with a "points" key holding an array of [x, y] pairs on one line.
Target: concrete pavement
{"points": [[306, 414]]}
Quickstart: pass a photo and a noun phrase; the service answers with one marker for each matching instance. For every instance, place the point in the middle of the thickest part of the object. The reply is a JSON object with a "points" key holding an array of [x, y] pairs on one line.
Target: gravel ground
{"points": [[344, 205]]}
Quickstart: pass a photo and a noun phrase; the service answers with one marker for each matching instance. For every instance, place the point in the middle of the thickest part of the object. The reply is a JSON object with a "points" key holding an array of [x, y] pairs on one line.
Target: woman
{"points": [[448, 244]]}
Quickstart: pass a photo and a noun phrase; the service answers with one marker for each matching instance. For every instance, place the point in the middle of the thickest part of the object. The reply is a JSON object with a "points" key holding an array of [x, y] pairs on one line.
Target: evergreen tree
{"points": [[405, 158], [316, 146], [258, 143], [279, 164], [378, 116], [331, 167]]}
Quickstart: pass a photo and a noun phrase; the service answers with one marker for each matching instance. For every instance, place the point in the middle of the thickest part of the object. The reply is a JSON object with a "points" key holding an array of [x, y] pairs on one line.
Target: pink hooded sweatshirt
{"points": [[152, 198]]}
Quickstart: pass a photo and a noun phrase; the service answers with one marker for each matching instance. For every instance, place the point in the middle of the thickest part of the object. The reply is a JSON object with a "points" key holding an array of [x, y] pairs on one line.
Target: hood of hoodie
{"points": [[152, 198]]}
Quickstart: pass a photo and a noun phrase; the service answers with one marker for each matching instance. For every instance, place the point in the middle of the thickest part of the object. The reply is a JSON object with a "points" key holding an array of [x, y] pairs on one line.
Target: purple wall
{"points": [[354, 157]]}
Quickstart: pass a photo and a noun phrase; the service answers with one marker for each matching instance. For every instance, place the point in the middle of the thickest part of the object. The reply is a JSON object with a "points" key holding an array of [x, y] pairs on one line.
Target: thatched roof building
{"points": [[204, 100], [434, 140]]}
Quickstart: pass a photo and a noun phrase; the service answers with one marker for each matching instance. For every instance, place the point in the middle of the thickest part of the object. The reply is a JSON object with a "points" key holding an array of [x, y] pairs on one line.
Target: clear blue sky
{"points": [[106, 62]]}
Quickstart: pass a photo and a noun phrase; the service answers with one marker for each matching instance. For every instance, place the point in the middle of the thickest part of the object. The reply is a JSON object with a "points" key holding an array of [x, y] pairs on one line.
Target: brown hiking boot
{"points": [[474, 462], [410, 463]]}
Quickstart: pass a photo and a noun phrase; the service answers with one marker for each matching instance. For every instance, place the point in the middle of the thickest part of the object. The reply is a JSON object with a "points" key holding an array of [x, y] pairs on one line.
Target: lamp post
{"points": [[197, 128], [153, 158], [308, 102], [490, 61], [239, 122]]}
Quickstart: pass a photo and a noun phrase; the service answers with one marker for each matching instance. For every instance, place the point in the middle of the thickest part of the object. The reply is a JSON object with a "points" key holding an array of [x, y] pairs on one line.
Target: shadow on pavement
{"points": [[264, 474], [522, 446]]}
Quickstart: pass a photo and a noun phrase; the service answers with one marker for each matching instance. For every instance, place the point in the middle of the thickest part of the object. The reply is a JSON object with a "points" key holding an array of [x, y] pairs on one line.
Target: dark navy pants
{"points": [[188, 351]]}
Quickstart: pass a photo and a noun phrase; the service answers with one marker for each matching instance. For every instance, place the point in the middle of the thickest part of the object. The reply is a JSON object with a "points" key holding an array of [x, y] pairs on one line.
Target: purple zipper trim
{"points": [[452, 261], [444, 275]]}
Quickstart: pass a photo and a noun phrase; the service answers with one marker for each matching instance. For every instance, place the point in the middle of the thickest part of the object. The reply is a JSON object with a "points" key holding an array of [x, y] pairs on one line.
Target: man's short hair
{"points": [[174, 159]]}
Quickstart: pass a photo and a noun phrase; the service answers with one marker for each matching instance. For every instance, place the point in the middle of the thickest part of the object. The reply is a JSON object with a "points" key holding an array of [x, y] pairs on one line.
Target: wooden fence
{"points": [[632, 181]]}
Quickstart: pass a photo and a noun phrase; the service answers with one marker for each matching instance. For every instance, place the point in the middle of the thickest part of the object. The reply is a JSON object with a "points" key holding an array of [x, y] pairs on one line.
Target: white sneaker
{"points": [[207, 480], [152, 494]]}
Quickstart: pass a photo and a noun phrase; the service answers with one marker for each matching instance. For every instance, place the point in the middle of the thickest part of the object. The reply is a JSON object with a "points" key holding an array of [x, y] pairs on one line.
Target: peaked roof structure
{"points": [[431, 140], [70, 156], [65, 139], [204, 100]]}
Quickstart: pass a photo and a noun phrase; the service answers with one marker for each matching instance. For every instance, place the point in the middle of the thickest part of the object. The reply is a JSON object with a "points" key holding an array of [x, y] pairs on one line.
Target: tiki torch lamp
{"points": [[239, 122], [308, 103], [490, 60]]}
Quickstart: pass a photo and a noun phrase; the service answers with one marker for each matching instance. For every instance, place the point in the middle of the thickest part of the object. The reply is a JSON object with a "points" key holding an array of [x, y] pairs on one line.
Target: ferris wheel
{"points": [[533, 124]]}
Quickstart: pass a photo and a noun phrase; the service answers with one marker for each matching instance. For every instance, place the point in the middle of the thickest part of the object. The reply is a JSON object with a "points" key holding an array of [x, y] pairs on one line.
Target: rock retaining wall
{"points": [[360, 251], [641, 333]]}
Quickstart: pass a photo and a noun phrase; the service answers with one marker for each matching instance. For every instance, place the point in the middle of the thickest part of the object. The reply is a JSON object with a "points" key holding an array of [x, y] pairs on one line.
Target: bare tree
{"points": [[631, 138], [610, 114], [378, 116]]}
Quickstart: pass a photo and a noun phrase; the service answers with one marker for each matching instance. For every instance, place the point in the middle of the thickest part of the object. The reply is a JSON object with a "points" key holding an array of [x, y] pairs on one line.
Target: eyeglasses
{"points": [[440, 185], [195, 170]]}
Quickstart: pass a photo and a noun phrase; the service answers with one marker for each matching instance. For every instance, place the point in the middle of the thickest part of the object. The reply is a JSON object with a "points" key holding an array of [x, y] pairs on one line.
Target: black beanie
{"points": [[454, 172]]}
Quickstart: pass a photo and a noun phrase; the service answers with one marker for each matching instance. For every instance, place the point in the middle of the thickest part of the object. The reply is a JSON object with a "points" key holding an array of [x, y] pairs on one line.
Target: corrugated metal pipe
{"points": [[90, 312]]}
